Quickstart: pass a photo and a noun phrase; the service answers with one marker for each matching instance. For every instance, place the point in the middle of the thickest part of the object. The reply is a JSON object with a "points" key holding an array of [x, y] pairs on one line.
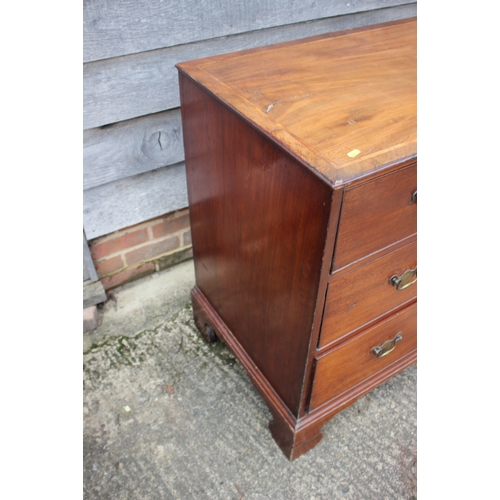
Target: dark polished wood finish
{"points": [[259, 262], [381, 210], [353, 361], [361, 296], [301, 167]]}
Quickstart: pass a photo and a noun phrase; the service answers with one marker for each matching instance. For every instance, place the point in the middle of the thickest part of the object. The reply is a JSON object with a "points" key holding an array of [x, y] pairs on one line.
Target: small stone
{"points": [[169, 389]]}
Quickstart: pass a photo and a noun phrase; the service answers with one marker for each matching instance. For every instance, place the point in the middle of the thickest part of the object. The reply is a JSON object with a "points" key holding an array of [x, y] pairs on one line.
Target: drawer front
{"points": [[353, 362], [366, 293], [375, 215]]}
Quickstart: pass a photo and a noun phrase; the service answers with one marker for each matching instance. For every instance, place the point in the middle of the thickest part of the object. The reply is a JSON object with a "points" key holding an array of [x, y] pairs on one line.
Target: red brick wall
{"points": [[137, 251]]}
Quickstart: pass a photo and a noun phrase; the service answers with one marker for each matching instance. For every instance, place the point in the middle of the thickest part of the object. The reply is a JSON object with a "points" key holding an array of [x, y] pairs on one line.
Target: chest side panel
{"points": [[259, 222]]}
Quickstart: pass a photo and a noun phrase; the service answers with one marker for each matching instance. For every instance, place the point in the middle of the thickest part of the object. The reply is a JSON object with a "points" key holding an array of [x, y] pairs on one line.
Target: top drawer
{"points": [[375, 215]]}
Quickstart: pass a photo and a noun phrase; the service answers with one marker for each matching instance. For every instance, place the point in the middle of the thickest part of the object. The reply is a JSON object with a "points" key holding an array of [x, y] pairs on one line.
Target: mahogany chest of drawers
{"points": [[302, 174]]}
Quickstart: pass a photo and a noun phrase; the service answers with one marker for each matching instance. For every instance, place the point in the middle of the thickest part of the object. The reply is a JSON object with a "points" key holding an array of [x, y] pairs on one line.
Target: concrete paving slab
{"points": [[167, 416], [142, 304]]}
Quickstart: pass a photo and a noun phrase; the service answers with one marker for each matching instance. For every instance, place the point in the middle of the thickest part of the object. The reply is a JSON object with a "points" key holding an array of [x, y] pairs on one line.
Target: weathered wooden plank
{"points": [[129, 201], [140, 84], [131, 147], [89, 272], [93, 293], [114, 29]]}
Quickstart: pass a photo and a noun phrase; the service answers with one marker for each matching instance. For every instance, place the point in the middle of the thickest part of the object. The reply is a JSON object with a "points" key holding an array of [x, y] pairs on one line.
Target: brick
{"points": [[128, 275], [170, 226], [186, 238], [174, 258], [149, 252], [107, 266], [125, 241], [90, 318]]}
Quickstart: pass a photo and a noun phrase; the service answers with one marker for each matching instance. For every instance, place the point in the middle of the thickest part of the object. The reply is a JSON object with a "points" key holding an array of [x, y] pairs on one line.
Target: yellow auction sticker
{"points": [[353, 153]]}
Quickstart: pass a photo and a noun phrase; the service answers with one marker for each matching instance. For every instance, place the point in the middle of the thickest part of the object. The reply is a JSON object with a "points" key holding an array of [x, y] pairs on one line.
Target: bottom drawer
{"points": [[354, 361]]}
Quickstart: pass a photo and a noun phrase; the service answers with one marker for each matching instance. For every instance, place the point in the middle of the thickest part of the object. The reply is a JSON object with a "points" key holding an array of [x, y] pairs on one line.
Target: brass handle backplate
{"points": [[387, 347], [405, 280]]}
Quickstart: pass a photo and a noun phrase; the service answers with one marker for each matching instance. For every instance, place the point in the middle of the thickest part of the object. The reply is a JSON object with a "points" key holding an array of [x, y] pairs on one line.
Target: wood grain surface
{"points": [[130, 81], [135, 85], [258, 222], [132, 147], [282, 222], [112, 206], [343, 117], [116, 28], [375, 215], [365, 294]]}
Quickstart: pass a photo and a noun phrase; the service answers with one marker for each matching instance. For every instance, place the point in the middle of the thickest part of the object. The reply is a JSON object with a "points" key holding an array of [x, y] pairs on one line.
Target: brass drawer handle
{"points": [[414, 197], [387, 347], [403, 281]]}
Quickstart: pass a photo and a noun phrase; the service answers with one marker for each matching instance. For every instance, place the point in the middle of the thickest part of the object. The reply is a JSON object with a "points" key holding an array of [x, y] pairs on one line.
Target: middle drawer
{"points": [[363, 295]]}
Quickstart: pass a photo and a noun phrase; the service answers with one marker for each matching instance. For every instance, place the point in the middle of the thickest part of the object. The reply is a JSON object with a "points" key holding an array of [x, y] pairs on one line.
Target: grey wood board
{"points": [[131, 147], [112, 29], [140, 84], [93, 293], [136, 199], [89, 272]]}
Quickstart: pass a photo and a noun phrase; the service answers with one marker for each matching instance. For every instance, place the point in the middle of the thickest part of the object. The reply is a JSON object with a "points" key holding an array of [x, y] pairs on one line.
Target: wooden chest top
{"points": [[343, 103]]}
